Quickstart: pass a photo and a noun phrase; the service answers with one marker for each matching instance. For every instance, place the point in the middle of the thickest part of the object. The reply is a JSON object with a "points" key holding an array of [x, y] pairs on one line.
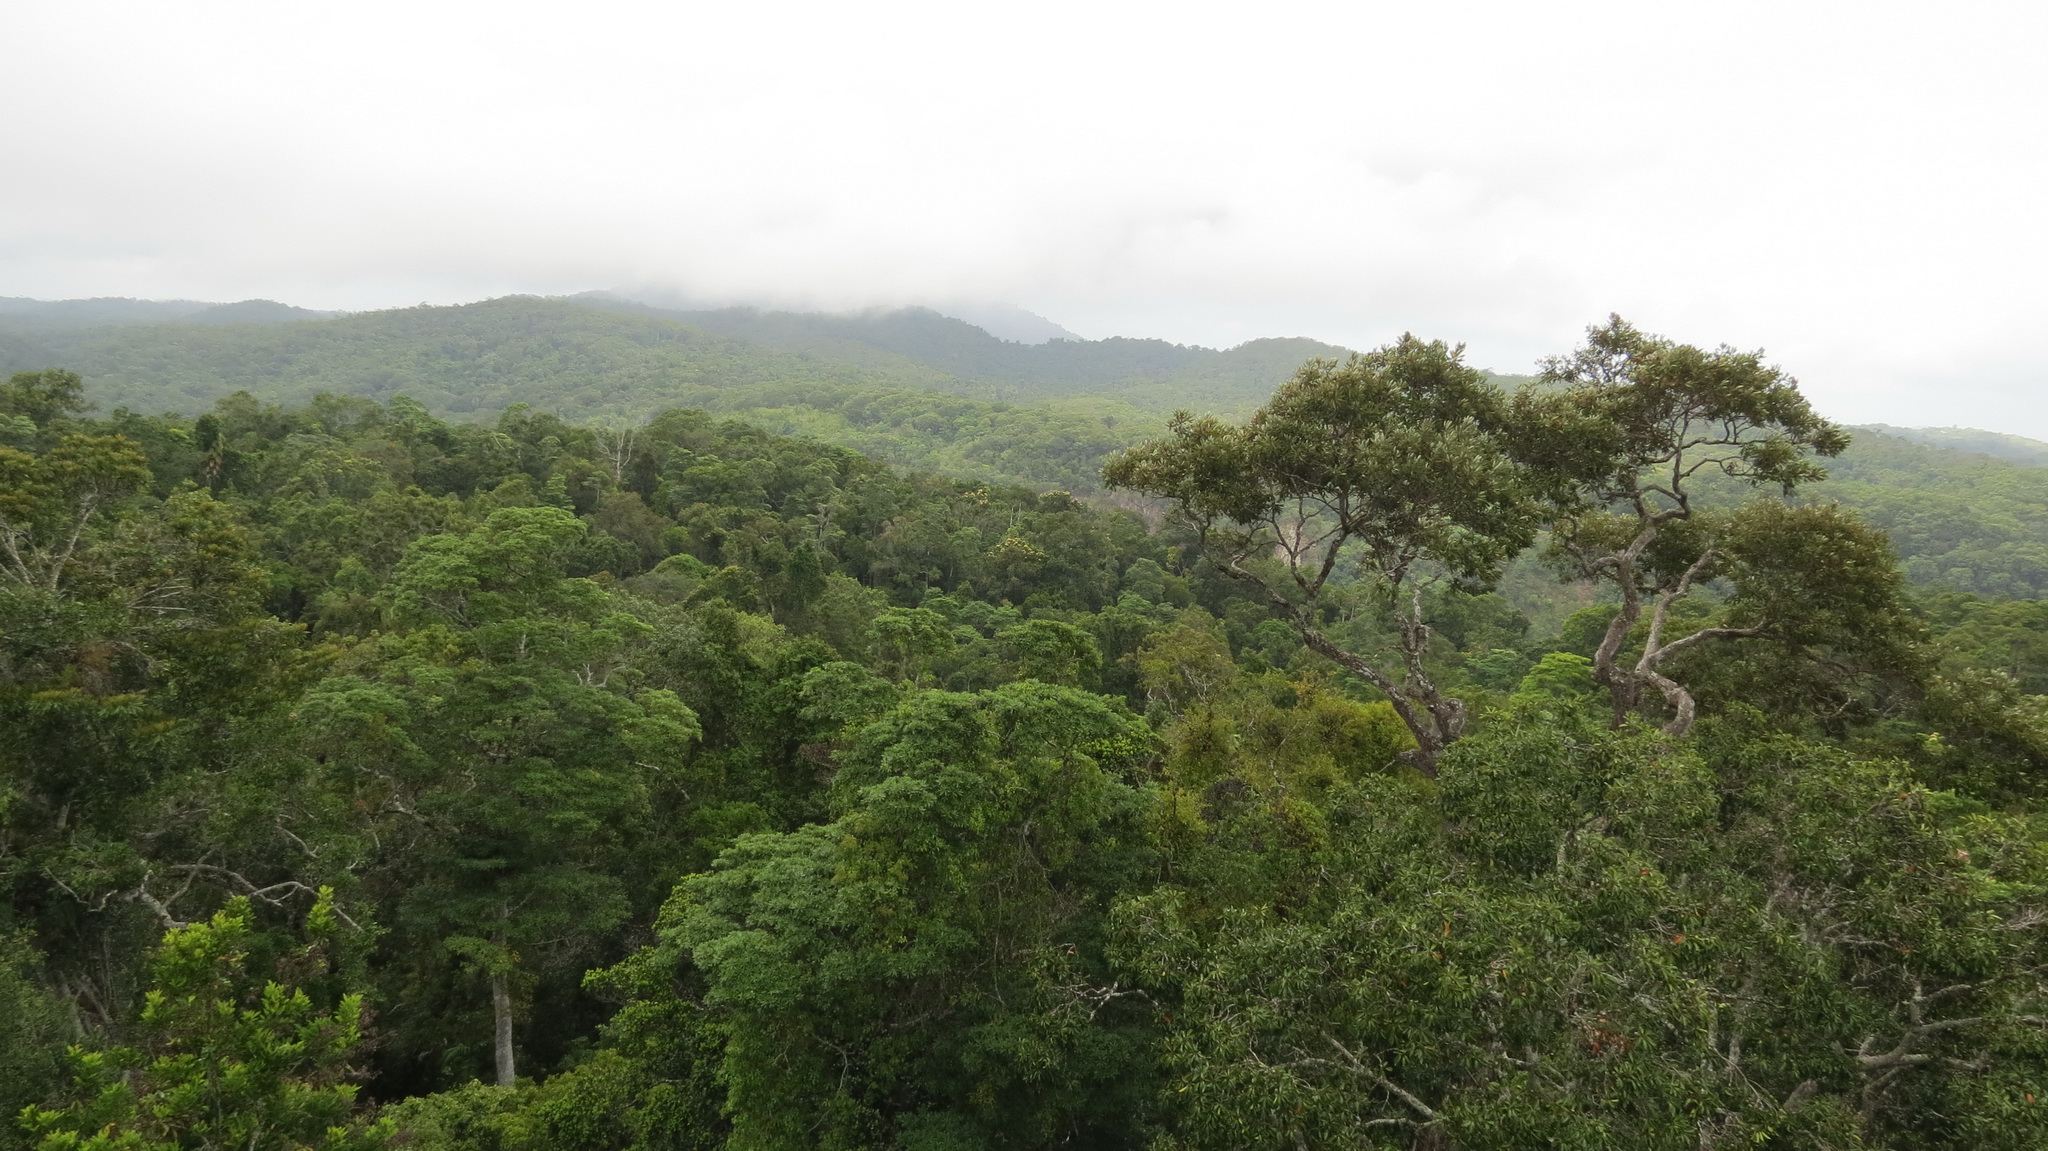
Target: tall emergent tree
{"points": [[496, 742], [1638, 424], [1395, 465]]}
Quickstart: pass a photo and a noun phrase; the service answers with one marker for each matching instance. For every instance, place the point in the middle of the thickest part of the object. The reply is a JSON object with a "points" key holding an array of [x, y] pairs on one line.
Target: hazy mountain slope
{"points": [[1960, 519], [33, 319], [255, 312], [1230, 382], [830, 339], [590, 364], [19, 352], [2018, 449], [957, 349], [579, 361], [1151, 374], [608, 358], [21, 314]]}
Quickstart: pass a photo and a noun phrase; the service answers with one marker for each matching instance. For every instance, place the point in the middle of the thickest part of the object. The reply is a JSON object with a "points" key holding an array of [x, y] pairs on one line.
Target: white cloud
{"points": [[1853, 186]]}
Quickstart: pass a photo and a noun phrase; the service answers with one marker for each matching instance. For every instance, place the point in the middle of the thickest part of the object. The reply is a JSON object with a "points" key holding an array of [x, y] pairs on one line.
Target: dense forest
{"points": [[1965, 510], [1630, 759]]}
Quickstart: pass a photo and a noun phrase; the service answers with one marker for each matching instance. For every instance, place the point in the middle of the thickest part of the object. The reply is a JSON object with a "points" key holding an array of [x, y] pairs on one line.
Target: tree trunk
{"points": [[1435, 720], [1623, 688], [1426, 723], [1683, 709], [501, 1008]]}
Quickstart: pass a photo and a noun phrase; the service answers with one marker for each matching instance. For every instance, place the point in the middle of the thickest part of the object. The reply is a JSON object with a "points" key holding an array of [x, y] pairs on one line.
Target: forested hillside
{"points": [[533, 784], [1150, 374], [32, 318], [1960, 519], [2018, 449], [900, 386], [598, 357], [592, 364]]}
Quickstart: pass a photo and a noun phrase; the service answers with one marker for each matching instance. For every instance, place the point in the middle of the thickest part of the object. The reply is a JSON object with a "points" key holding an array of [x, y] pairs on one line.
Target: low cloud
{"points": [[1849, 186]]}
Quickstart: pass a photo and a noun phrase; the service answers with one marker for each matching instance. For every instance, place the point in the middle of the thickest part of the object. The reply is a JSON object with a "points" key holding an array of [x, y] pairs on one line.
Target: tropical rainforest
{"points": [[479, 730]]}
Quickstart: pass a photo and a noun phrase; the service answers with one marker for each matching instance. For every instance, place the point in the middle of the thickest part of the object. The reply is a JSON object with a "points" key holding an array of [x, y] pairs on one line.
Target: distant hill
{"points": [[1964, 520], [30, 317], [2018, 449], [605, 357], [23, 315], [957, 356], [589, 363], [255, 312], [580, 361], [601, 356]]}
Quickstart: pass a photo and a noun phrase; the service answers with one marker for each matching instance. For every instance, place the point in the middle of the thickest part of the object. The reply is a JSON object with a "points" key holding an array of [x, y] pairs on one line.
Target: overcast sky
{"points": [[1856, 187]]}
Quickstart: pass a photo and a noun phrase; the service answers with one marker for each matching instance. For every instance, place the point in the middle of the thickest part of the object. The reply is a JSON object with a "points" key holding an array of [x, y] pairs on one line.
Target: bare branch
{"points": [[1428, 1113]]}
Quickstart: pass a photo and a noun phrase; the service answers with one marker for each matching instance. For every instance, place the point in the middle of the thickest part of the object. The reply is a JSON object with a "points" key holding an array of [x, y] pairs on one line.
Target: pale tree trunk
{"points": [[1624, 688], [501, 1008], [1435, 720], [1683, 709], [1627, 684]]}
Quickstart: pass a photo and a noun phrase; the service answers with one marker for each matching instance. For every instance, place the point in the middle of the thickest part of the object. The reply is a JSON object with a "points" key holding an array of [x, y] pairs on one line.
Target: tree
{"points": [[927, 967], [905, 639], [496, 737], [1395, 467], [43, 398], [137, 668], [227, 1062], [1053, 652], [49, 502], [33, 1034], [1584, 938], [1638, 424]]}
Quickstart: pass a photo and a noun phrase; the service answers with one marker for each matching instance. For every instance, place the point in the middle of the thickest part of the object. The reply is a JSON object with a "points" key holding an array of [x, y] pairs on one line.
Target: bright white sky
{"points": [[1856, 187]]}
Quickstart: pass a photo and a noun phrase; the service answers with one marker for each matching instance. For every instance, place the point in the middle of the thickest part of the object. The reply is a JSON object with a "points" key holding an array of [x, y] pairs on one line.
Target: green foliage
{"points": [[1958, 521], [609, 1103], [1559, 675], [1053, 652], [867, 383], [33, 1030], [838, 959], [1593, 940], [42, 398], [709, 787], [223, 1061], [1633, 428], [496, 736], [1394, 465]]}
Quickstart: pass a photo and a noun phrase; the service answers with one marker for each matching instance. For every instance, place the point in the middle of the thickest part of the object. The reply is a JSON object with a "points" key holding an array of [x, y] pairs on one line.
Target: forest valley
{"points": [[370, 780]]}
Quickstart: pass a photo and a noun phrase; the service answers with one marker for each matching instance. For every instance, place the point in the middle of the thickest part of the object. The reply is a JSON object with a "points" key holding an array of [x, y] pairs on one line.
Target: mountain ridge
{"points": [[1998, 445], [157, 364]]}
